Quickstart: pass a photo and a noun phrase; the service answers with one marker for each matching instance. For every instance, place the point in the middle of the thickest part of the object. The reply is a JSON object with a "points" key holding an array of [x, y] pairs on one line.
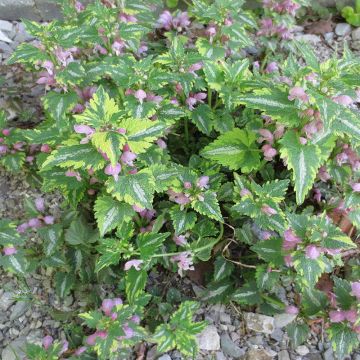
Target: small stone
{"points": [[329, 37], [313, 356], [302, 350], [281, 320], [234, 336], [14, 350], [356, 34], [225, 318], [230, 348], [209, 339], [258, 354], [259, 323], [256, 340], [356, 45], [277, 334], [328, 354], [164, 357], [311, 38], [4, 38], [19, 309], [297, 29], [6, 300], [220, 356], [342, 29], [6, 25], [283, 355]]}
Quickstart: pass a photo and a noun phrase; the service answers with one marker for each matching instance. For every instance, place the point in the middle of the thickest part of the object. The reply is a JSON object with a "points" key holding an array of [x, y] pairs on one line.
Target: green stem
{"points": [[209, 97], [357, 6], [186, 131]]}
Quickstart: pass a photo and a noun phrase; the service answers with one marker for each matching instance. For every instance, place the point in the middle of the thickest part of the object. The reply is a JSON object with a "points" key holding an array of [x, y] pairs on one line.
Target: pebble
{"points": [[328, 354], [209, 339], [329, 37], [257, 354], [356, 45], [342, 29], [311, 38], [356, 34], [19, 309], [164, 357], [225, 318], [6, 300], [230, 348], [256, 340], [259, 323], [281, 320], [220, 356], [302, 350], [14, 350], [277, 334], [6, 25], [4, 38], [283, 355]]}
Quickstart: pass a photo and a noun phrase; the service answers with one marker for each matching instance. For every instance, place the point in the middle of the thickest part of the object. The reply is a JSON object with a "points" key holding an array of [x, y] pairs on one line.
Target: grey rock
{"points": [[230, 348], [220, 356], [256, 340], [313, 356], [209, 339], [4, 38], [297, 29], [257, 354], [259, 323], [19, 309], [356, 45], [277, 334], [14, 350], [6, 26], [6, 300], [356, 34], [225, 318], [302, 350], [281, 320], [283, 355], [342, 29], [329, 37], [152, 353], [164, 357], [328, 354], [311, 38]]}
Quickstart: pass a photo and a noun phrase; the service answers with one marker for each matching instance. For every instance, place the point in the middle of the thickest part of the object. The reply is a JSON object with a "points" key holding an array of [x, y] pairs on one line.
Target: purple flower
{"points": [[106, 306], [181, 21], [266, 209], [290, 240], [298, 93], [40, 204], [270, 68], [165, 20], [344, 100], [45, 148], [100, 49], [355, 186], [195, 67], [203, 182], [6, 132], [180, 240], [323, 175], [288, 260], [74, 174], [63, 56], [266, 135], [269, 152], [291, 309], [179, 198], [154, 98], [22, 227], [118, 47], [84, 129], [113, 170], [161, 143], [355, 289], [9, 250], [129, 332], [135, 319], [140, 95], [128, 158], [351, 315], [48, 220], [336, 316], [312, 252], [64, 348], [79, 6], [80, 350], [47, 341], [245, 192], [193, 99], [184, 261], [35, 223], [127, 18], [3, 149], [133, 263], [187, 185], [49, 66]]}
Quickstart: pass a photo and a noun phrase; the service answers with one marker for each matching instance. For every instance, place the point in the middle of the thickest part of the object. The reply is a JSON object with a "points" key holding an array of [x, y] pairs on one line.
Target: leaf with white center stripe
{"points": [[52, 236], [135, 284], [235, 149], [270, 250], [223, 269], [202, 117], [208, 206], [298, 333], [8, 233], [110, 213], [303, 160], [135, 189], [247, 294], [182, 220], [344, 340], [149, 243], [64, 282]]}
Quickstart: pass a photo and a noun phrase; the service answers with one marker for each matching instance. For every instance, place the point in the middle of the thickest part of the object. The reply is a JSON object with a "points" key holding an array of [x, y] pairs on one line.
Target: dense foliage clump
{"points": [[172, 146]]}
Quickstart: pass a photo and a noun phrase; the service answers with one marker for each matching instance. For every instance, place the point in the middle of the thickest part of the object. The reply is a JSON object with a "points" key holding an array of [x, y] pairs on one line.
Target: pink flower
{"points": [[129, 332], [91, 339], [113, 170], [351, 315], [152, 97], [6, 132], [317, 195], [179, 198], [127, 18], [203, 182], [74, 174], [270, 68], [49, 66], [48, 220], [187, 185], [35, 223], [80, 350], [336, 316], [79, 6], [184, 261], [266, 209], [291, 309], [118, 47], [310, 129], [3, 149], [135, 319], [47, 341], [344, 100], [193, 99], [355, 289], [211, 31], [279, 131], [288, 260], [22, 227], [106, 306], [40, 204], [180, 240], [165, 20], [128, 158], [140, 95], [63, 56], [245, 192], [355, 186], [290, 240], [269, 152], [133, 263], [161, 143], [298, 93], [100, 49], [45, 148], [84, 129], [266, 135], [9, 250], [195, 67], [323, 175], [312, 252]]}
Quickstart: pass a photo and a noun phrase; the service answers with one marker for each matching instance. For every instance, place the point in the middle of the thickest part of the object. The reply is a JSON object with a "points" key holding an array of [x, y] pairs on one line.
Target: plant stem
{"points": [[357, 6], [209, 97], [186, 131]]}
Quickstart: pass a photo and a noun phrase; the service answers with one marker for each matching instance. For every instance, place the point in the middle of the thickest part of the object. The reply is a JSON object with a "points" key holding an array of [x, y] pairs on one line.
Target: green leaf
{"points": [[109, 143], [313, 301], [343, 339], [27, 54], [209, 206], [309, 270], [202, 117], [298, 333], [164, 337], [304, 160], [8, 233], [80, 233], [64, 282], [223, 269], [342, 290], [13, 162], [91, 318], [270, 250], [266, 280], [209, 50], [182, 220], [247, 294], [135, 189], [217, 291], [149, 243], [110, 213], [52, 236], [135, 284], [111, 251], [235, 149]]}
